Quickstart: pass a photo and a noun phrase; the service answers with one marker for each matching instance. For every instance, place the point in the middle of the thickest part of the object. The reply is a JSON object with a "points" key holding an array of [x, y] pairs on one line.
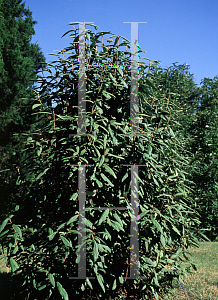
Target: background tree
{"points": [[179, 88], [204, 151], [195, 123], [19, 62]]}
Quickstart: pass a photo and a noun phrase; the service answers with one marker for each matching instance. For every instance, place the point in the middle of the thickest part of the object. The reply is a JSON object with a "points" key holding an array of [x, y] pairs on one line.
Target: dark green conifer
{"points": [[19, 62]]}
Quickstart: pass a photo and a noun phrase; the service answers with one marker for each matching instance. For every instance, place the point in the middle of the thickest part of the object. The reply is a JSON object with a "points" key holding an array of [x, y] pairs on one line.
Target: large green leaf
{"points": [[116, 226], [72, 219], [51, 279], [51, 236], [99, 183], [66, 242], [157, 225], [114, 284], [18, 230], [89, 283], [115, 215], [42, 173], [13, 264], [4, 223], [103, 216], [106, 179], [109, 170], [162, 239], [101, 281], [95, 251], [62, 291]]}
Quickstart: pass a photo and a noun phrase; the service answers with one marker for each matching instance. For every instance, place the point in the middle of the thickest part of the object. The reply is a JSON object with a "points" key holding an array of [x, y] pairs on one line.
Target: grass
{"points": [[201, 285], [5, 285]]}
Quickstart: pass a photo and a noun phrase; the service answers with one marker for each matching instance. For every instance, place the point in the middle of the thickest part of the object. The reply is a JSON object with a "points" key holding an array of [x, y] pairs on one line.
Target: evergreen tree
{"points": [[180, 91], [179, 88], [19, 62], [204, 149], [195, 122]]}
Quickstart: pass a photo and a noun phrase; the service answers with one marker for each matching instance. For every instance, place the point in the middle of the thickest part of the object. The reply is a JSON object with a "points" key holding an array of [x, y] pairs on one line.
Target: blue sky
{"points": [[180, 31]]}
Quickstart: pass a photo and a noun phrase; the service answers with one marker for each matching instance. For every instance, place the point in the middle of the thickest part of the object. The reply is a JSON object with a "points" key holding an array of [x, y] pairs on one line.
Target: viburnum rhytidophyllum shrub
{"points": [[42, 235]]}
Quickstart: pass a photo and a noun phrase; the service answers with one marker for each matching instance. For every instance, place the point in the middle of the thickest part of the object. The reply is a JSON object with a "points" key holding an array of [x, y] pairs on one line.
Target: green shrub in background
{"points": [[196, 125], [40, 237], [204, 148]]}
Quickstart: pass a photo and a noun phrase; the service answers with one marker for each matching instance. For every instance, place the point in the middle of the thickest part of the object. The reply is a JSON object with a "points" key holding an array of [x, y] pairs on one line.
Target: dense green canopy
{"points": [[19, 62]]}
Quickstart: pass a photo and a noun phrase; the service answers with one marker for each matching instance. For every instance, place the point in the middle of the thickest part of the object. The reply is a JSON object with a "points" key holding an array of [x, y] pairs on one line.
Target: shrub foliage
{"points": [[40, 236]]}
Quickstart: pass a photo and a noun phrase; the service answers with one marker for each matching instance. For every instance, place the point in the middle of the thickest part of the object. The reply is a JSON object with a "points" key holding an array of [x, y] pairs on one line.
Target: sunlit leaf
{"points": [[4, 223], [18, 230], [103, 216], [72, 219], [14, 265], [95, 251], [114, 284], [51, 279], [106, 179], [62, 291], [109, 170], [66, 242], [101, 281]]}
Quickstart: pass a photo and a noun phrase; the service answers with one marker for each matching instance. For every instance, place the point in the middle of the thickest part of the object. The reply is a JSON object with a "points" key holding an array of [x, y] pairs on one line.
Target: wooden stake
{"points": [[63, 53], [127, 269], [101, 83], [168, 102], [163, 100]]}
